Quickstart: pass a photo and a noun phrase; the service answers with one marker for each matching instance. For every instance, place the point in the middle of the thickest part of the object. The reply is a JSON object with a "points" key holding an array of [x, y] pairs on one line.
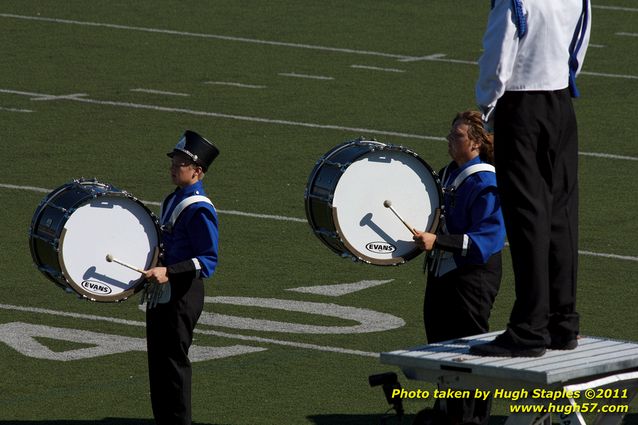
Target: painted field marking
{"points": [[376, 68], [22, 337], [368, 321], [339, 289], [203, 35], [608, 155], [167, 93], [241, 85], [274, 121], [622, 9], [600, 74], [438, 57], [138, 323], [306, 76], [300, 220], [358, 130], [627, 34], [2, 108], [425, 58], [47, 97]]}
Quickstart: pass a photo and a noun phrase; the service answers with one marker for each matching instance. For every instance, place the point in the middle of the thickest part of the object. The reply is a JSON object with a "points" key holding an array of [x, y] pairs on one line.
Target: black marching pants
{"points": [[456, 305], [169, 334], [536, 153]]}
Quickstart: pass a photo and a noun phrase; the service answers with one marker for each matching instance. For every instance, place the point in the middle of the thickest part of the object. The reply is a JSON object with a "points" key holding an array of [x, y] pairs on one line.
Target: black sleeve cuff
{"points": [[457, 244], [183, 269]]}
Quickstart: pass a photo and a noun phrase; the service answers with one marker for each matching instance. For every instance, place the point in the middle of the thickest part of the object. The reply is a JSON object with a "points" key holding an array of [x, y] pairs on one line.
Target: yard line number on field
{"points": [[23, 336]]}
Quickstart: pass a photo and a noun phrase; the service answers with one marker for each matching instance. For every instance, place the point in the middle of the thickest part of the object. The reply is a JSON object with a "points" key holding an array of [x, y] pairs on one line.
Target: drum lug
{"points": [[327, 234], [341, 166], [320, 198], [53, 242], [71, 211]]}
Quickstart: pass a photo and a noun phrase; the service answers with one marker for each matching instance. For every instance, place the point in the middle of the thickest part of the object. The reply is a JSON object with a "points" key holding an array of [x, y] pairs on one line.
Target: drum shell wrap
{"points": [[60, 242], [328, 185]]}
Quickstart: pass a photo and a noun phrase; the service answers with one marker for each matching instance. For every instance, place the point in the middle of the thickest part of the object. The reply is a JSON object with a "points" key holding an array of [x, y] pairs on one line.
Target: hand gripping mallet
{"points": [[388, 204], [112, 259]]}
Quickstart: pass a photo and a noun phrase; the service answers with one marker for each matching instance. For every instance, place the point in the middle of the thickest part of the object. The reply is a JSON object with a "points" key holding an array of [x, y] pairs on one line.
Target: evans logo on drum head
{"points": [[380, 247], [96, 287]]}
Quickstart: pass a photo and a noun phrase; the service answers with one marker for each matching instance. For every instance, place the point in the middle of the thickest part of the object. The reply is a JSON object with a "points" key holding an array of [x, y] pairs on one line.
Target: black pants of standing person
{"points": [[169, 335], [536, 153], [456, 305]]}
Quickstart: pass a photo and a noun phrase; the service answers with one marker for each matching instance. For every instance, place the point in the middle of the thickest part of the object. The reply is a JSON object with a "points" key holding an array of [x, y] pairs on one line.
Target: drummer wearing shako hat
{"points": [[190, 243]]}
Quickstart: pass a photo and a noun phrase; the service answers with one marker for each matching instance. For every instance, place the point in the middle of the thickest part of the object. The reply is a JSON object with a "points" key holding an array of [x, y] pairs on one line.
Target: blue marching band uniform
{"points": [[190, 248], [464, 269]]}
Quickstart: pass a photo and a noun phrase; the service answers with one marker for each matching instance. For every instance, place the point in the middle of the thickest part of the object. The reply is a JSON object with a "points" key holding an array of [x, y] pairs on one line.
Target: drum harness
{"points": [[155, 293], [442, 262]]}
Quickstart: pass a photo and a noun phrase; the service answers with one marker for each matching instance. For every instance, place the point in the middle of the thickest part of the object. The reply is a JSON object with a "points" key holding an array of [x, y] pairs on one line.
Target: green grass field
{"points": [[104, 89]]}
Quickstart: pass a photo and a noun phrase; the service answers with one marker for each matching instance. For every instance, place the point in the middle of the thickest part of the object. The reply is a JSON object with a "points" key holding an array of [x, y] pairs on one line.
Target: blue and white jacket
{"points": [[473, 228], [190, 235]]}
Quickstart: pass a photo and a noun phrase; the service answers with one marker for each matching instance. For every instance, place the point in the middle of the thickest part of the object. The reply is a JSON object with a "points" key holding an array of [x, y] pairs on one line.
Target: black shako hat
{"points": [[199, 150]]}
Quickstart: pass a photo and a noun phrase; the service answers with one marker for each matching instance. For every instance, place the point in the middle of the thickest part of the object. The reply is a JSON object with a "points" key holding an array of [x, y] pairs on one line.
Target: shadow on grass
{"points": [[333, 419], [344, 419], [104, 421]]}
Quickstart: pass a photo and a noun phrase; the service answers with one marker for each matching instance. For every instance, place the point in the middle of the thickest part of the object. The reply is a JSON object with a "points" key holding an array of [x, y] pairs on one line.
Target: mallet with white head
{"points": [[388, 204], [112, 259]]}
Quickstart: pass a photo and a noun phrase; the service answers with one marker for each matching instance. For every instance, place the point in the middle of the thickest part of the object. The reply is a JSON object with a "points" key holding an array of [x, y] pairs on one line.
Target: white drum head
{"points": [[115, 225], [370, 230]]}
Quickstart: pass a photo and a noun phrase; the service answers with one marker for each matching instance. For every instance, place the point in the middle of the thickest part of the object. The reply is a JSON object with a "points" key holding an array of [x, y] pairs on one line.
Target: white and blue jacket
{"points": [[473, 228], [190, 235]]}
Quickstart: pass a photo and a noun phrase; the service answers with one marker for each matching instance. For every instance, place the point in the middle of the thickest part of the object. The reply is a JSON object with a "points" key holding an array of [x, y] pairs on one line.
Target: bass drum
{"points": [[345, 198], [78, 224]]}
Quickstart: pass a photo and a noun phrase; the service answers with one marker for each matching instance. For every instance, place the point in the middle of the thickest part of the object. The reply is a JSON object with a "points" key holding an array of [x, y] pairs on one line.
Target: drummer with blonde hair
{"points": [[464, 261]]}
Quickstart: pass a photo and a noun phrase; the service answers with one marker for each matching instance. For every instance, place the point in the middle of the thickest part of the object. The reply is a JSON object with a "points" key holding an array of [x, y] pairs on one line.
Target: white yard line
{"points": [[600, 74], [437, 57], [203, 35], [155, 203], [298, 220], [376, 68], [241, 85], [167, 93], [618, 8], [309, 77], [608, 156], [2, 108], [358, 130]]}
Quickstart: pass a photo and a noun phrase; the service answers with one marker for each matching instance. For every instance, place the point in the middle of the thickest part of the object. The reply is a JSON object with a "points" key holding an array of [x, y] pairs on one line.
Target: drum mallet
{"points": [[388, 204], [112, 259]]}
